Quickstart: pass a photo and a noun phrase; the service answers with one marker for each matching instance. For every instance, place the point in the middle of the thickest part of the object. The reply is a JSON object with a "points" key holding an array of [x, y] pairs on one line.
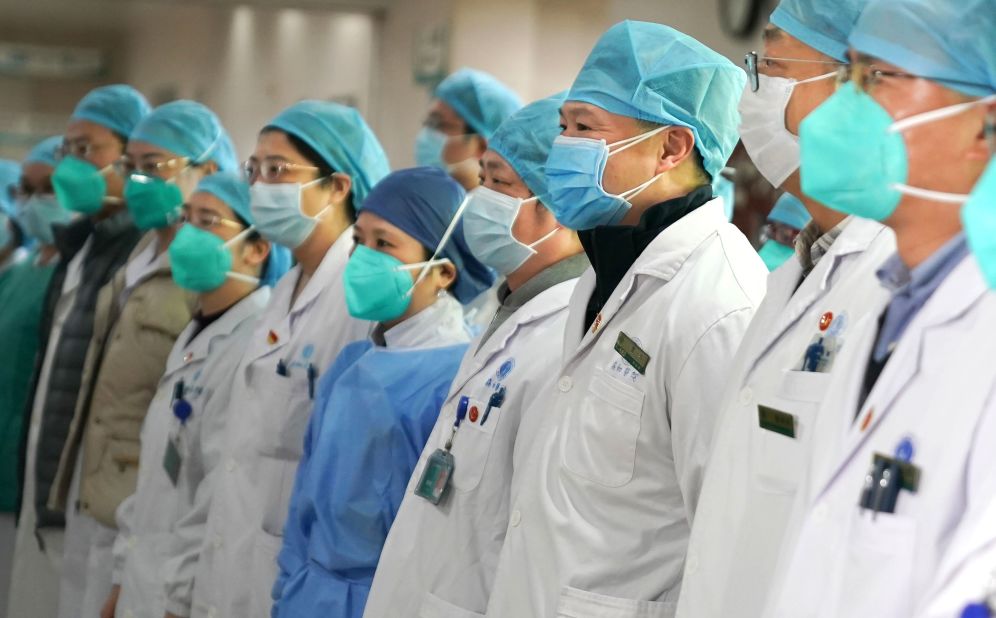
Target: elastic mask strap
{"points": [[228, 244], [633, 141], [626, 195], [938, 114], [817, 78], [239, 237], [442, 243], [546, 237], [426, 264], [320, 213], [927, 194]]}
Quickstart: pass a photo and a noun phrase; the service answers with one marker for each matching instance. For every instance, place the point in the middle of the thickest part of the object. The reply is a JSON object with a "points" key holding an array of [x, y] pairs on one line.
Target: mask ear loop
{"points": [[439, 248], [109, 199], [321, 213], [532, 246], [228, 246], [633, 141]]}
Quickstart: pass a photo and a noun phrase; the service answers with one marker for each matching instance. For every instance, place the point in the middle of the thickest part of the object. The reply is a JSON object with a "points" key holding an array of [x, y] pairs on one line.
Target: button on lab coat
{"points": [[440, 560], [146, 519], [936, 398], [601, 509], [753, 472], [268, 416]]}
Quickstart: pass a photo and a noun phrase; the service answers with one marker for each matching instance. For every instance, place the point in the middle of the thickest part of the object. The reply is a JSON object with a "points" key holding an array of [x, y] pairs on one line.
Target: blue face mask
{"points": [[487, 226], [429, 145], [574, 172], [276, 209], [854, 156], [979, 218], [38, 213], [774, 254]]}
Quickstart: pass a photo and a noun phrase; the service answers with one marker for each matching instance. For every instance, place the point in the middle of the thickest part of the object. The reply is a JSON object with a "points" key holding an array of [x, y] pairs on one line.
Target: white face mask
{"points": [[771, 146]]}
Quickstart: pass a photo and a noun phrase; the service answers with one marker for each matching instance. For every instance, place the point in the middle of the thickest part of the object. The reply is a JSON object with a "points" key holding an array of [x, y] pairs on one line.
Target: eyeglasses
{"points": [[271, 170], [81, 148], [125, 166], [865, 76], [753, 61], [207, 220]]}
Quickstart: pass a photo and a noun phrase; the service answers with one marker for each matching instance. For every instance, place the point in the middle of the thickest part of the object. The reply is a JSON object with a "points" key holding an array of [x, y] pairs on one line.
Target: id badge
{"points": [[436, 476], [172, 460]]}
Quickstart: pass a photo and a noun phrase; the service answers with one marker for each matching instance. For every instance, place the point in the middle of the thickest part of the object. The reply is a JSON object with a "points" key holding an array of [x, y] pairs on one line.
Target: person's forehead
{"points": [[139, 150], [35, 172], [275, 144], [586, 112], [202, 200], [78, 129], [494, 162], [780, 44], [371, 223], [442, 110]]}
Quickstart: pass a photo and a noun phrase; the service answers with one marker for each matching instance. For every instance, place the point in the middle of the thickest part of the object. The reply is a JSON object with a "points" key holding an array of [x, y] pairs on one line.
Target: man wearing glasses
{"points": [[91, 249], [782, 369]]}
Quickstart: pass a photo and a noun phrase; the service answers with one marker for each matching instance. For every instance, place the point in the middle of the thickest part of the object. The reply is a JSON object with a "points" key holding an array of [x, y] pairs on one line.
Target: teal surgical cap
{"points": [[118, 108], [45, 151], [341, 137], [481, 100], [950, 41], [524, 141], [823, 25], [655, 73], [790, 211], [233, 191], [10, 175], [188, 129], [725, 188]]}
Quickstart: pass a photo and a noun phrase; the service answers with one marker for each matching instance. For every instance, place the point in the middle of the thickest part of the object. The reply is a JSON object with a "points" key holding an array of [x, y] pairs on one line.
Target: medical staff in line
{"points": [[782, 369], [313, 166], [137, 319], [91, 250], [22, 296], [902, 458], [440, 559], [409, 272], [787, 218], [601, 507], [467, 108], [218, 255]]}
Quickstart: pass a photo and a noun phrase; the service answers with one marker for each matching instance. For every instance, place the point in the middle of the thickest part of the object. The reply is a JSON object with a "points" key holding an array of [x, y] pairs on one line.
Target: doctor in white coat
{"points": [[603, 502], [774, 391], [902, 452], [219, 256], [440, 559], [313, 165]]}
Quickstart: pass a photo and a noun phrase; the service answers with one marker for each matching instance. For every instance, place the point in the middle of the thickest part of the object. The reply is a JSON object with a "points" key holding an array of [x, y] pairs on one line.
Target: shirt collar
{"points": [[898, 278], [440, 324]]}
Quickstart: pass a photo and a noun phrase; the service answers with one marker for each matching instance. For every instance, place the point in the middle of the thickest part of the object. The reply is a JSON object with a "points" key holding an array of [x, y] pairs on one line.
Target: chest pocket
{"points": [[286, 411], [878, 572], [471, 448], [602, 431], [575, 603], [778, 460]]}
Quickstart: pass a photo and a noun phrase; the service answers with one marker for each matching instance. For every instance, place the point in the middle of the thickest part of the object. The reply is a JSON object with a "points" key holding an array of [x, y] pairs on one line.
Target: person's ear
{"points": [[255, 253], [339, 186], [982, 147], [446, 275], [676, 145], [480, 146]]}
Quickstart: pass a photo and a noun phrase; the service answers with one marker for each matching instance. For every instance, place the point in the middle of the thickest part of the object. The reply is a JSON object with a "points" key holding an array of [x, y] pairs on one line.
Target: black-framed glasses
{"points": [[866, 76], [753, 61]]}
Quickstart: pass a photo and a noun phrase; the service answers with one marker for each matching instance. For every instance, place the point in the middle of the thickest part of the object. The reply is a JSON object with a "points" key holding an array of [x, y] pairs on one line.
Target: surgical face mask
{"points": [[154, 203], [80, 186], [276, 209], [774, 254], [979, 218], [771, 146], [574, 172], [201, 261], [854, 156], [488, 228], [429, 144], [379, 286], [39, 213]]}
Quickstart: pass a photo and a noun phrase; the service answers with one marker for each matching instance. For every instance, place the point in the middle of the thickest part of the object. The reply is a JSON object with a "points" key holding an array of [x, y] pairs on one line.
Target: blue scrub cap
{"points": [[10, 175], [823, 25], [725, 188], [937, 39], [118, 108], [233, 190], [790, 211], [524, 141], [341, 137], [479, 98], [655, 73], [45, 151], [190, 130], [421, 202]]}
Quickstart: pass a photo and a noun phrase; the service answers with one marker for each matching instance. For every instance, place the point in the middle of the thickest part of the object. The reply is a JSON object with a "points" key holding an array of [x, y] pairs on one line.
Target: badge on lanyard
{"points": [[439, 468], [173, 458]]}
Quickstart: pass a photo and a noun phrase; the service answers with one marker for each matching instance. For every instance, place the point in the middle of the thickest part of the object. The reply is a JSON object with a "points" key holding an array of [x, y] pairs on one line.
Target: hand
{"points": [[111, 603]]}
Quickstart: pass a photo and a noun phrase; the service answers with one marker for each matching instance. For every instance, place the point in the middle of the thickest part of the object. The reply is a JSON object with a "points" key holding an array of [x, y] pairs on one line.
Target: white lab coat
{"points": [[206, 365], [753, 472], [440, 560], [937, 392], [602, 507], [236, 567]]}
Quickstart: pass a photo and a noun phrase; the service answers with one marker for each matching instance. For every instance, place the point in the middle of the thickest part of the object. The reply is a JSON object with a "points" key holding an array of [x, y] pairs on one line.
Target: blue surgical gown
{"points": [[373, 414]]}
